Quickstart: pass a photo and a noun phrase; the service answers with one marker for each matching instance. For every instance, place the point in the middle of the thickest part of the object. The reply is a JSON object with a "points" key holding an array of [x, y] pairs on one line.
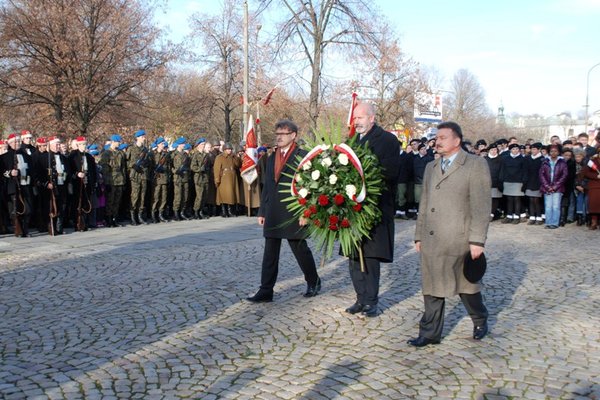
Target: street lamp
{"points": [[587, 94]]}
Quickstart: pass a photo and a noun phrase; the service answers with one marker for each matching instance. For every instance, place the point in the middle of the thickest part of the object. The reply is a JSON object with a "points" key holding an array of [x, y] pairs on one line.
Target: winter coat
{"points": [[419, 164], [453, 213], [593, 186], [532, 168], [226, 178], [549, 184], [513, 170], [494, 165]]}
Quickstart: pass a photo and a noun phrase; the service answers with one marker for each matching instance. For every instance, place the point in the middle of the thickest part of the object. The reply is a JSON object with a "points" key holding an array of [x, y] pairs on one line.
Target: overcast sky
{"points": [[531, 55]]}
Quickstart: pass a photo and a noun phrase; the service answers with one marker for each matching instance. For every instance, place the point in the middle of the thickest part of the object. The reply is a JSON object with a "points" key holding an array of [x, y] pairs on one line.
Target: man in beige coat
{"points": [[453, 220]]}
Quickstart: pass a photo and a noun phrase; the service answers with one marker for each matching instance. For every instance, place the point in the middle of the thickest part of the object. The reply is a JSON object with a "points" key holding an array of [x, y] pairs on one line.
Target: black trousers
{"points": [[432, 322], [366, 284], [270, 264]]}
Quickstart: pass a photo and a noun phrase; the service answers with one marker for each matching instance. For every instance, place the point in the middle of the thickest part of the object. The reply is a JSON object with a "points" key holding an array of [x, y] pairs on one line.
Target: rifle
{"points": [[53, 213], [80, 211], [141, 162], [160, 166], [18, 199]]}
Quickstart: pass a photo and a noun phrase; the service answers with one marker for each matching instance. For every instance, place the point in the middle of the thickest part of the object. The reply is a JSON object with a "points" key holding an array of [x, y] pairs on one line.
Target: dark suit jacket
{"points": [[387, 148], [279, 222]]}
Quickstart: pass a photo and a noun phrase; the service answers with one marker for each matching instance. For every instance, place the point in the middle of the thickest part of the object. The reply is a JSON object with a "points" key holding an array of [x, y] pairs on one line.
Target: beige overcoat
{"points": [[453, 213], [226, 178]]}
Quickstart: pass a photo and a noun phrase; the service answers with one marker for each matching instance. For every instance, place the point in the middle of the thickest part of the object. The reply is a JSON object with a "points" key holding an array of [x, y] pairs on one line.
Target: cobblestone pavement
{"points": [[157, 312]]}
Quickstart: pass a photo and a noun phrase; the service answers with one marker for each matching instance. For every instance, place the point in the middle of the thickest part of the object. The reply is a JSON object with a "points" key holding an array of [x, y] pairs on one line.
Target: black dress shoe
{"points": [[261, 297], [355, 308], [422, 341], [313, 290], [369, 310], [479, 332]]}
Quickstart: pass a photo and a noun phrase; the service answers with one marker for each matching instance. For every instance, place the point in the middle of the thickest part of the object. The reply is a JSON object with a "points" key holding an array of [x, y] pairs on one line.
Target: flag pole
{"points": [[246, 73]]}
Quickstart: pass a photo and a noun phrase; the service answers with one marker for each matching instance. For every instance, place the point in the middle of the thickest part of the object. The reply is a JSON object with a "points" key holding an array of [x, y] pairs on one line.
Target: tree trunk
{"points": [[315, 88]]}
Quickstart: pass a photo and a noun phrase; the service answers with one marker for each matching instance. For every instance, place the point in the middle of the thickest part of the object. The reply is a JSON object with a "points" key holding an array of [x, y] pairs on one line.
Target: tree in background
{"points": [[73, 61]]}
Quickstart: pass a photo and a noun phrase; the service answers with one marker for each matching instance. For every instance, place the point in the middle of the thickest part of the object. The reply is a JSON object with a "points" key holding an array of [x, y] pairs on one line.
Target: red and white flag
{"points": [[351, 127], [248, 170], [267, 98]]}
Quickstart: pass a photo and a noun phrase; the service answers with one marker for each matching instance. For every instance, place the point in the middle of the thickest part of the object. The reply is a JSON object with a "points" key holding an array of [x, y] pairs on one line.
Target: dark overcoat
{"points": [[279, 222], [387, 149]]}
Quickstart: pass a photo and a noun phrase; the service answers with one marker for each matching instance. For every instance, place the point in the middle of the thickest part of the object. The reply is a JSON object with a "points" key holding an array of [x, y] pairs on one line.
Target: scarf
{"points": [[281, 160]]}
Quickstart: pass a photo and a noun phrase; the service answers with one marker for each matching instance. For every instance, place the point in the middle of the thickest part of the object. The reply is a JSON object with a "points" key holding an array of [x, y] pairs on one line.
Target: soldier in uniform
{"points": [[138, 162], [26, 142], [161, 179], [53, 178], [212, 151], [3, 197], [114, 167], [83, 175], [181, 178], [199, 169], [39, 218], [225, 174], [17, 169]]}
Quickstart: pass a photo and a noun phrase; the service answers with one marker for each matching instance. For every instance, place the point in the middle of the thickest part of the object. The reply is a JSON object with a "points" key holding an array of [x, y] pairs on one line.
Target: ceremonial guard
{"points": [[53, 174], [199, 166], [161, 179], [138, 162], [27, 143], [212, 151], [114, 167], [17, 170], [83, 175], [3, 197], [225, 175], [40, 156], [181, 178]]}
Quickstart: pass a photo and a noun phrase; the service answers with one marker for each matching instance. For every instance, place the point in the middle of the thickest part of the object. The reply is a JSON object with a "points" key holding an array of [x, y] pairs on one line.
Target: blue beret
{"points": [[123, 146], [179, 141], [261, 148], [116, 138], [94, 152], [93, 146], [139, 133], [200, 141], [106, 146], [187, 146]]}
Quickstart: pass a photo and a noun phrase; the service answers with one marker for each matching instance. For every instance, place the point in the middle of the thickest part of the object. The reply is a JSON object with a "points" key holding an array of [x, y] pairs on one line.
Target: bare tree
{"points": [[312, 27], [79, 58], [466, 103], [221, 37]]}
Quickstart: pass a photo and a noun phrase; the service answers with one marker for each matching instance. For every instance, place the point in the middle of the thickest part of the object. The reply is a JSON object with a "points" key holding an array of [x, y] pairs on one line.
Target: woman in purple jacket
{"points": [[553, 177]]}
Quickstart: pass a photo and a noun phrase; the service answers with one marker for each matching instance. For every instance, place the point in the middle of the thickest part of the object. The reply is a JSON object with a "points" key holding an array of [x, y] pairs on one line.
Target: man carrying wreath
{"points": [[380, 246], [275, 218]]}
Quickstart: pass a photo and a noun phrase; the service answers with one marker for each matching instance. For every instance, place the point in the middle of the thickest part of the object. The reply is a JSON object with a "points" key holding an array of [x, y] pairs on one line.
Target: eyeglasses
{"points": [[283, 133]]}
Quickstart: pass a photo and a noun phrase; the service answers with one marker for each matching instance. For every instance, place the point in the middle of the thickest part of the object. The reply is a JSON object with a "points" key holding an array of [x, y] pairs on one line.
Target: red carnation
{"points": [[317, 222], [345, 223], [302, 201], [313, 209], [357, 207], [307, 213], [323, 200], [333, 227], [333, 220], [338, 199]]}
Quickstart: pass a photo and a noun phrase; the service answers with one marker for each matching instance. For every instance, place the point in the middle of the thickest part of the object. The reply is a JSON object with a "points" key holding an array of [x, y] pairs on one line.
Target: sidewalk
{"points": [[157, 312]]}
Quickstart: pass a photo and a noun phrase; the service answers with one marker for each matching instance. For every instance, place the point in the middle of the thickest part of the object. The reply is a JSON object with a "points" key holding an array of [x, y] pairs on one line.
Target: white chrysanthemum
{"points": [[333, 179], [303, 192], [343, 159], [298, 178], [315, 175], [350, 191], [306, 166], [326, 162]]}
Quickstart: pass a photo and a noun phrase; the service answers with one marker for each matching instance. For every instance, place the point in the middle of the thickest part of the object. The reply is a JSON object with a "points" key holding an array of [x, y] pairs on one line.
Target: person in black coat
{"points": [[494, 163], [419, 163], [513, 179], [380, 247], [83, 176], [405, 171], [277, 220], [533, 162]]}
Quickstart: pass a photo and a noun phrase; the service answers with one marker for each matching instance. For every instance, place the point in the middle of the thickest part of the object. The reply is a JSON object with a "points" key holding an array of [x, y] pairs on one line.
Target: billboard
{"points": [[428, 107]]}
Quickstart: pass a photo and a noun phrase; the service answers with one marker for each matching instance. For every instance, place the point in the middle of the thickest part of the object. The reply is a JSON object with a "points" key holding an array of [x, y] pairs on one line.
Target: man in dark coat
{"points": [[380, 247], [277, 220], [83, 176]]}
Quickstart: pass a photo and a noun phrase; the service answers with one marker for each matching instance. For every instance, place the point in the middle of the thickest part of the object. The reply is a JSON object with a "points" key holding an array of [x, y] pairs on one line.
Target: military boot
{"points": [[133, 220], [59, 226], [177, 216], [224, 211], [162, 217], [154, 217], [184, 215], [198, 214], [142, 219]]}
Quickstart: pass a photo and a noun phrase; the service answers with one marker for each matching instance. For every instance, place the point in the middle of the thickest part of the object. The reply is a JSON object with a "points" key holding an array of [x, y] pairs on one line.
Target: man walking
{"points": [[453, 222]]}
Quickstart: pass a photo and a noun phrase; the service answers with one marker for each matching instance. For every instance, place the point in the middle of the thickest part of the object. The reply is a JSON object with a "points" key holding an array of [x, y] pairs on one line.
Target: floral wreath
{"points": [[335, 191]]}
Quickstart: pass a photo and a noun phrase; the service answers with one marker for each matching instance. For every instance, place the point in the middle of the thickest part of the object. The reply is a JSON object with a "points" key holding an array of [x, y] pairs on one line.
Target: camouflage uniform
{"points": [[162, 176], [114, 167], [138, 162], [201, 171], [181, 183]]}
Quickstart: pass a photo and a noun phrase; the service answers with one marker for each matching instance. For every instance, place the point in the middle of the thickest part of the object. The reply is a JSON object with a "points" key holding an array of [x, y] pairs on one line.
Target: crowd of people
{"points": [[539, 184], [49, 184]]}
